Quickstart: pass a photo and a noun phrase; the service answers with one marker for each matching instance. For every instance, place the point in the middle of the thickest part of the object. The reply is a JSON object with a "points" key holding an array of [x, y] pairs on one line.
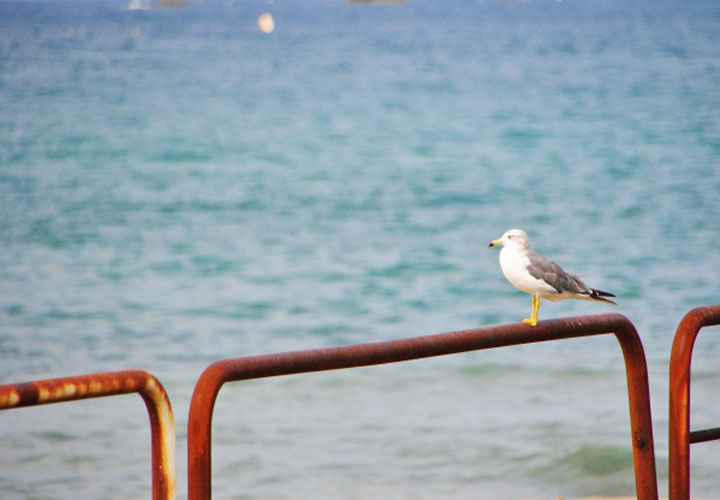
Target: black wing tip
{"points": [[607, 301], [600, 295]]}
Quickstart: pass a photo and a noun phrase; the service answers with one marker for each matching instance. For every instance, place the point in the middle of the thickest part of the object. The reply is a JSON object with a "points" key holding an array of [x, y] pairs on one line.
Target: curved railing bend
{"points": [[680, 436], [333, 358], [96, 385]]}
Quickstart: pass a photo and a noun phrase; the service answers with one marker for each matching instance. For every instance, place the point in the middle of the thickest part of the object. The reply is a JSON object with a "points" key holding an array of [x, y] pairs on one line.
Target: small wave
{"points": [[593, 470]]}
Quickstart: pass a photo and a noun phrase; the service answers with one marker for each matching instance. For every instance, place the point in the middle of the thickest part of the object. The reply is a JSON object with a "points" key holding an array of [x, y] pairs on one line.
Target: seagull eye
{"points": [[510, 236]]}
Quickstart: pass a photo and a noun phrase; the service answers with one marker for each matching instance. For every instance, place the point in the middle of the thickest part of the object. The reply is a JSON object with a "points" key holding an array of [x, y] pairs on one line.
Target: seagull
{"points": [[540, 277]]}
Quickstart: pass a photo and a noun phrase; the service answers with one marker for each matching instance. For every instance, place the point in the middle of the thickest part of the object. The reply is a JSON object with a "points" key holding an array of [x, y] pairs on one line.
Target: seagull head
{"points": [[512, 237]]}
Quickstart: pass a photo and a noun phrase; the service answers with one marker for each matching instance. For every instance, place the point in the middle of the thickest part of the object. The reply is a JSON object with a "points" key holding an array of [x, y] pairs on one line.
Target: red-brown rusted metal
{"points": [[680, 436], [97, 385], [220, 372]]}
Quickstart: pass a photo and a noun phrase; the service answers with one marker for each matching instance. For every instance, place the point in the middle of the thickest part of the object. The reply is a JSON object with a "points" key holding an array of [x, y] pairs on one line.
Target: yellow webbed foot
{"points": [[530, 321]]}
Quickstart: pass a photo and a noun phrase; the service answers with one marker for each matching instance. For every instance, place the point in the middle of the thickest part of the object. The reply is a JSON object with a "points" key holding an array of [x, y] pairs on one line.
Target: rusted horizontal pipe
{"points": [[704, 435], [96, 385], [220, 372], [679, 418]]}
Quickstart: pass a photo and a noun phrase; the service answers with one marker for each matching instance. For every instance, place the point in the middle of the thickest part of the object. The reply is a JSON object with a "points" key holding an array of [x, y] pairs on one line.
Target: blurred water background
{"points": [[177, 187]]}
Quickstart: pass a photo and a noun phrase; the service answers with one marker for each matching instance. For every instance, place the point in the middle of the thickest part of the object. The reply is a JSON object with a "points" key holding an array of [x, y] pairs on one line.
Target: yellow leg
{"points": [[533, 319]]}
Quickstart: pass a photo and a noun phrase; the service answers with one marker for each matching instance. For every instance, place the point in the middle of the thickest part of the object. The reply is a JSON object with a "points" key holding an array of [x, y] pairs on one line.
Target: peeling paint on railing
{"points": [[96, 385]]}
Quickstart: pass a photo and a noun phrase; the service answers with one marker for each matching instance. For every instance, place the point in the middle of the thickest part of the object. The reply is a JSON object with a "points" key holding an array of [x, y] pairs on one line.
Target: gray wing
{"points": [[544, 269]]}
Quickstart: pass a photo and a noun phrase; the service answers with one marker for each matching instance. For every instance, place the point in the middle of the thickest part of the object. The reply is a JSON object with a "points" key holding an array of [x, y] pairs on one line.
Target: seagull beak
{"points": [[494, 243]]}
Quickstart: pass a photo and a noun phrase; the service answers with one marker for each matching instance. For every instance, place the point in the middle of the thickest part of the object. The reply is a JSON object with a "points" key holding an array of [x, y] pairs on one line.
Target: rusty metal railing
{"points": [[680, 436], [220, 372], [98, 385]]}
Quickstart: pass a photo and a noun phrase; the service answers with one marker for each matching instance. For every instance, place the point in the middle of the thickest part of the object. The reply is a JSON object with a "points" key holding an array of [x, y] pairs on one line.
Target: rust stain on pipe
{"points": [[679, 417], [104, 384], [333, 358]]}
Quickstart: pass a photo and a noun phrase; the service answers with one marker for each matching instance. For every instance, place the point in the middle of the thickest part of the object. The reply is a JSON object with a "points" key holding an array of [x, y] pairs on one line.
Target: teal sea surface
{"points": [[178, 187]]}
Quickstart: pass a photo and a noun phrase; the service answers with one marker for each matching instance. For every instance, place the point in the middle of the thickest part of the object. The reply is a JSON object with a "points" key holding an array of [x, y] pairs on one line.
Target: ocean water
{"points": [[177, 187]]}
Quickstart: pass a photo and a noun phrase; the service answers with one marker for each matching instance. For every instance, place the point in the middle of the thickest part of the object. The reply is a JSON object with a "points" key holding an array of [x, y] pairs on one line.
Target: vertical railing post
{"points": [[200, 430], [679, 411], [640, 411]]}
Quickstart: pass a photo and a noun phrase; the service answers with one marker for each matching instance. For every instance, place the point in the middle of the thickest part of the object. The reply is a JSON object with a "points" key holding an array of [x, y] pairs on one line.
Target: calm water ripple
{"points": [[177, 187]]}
